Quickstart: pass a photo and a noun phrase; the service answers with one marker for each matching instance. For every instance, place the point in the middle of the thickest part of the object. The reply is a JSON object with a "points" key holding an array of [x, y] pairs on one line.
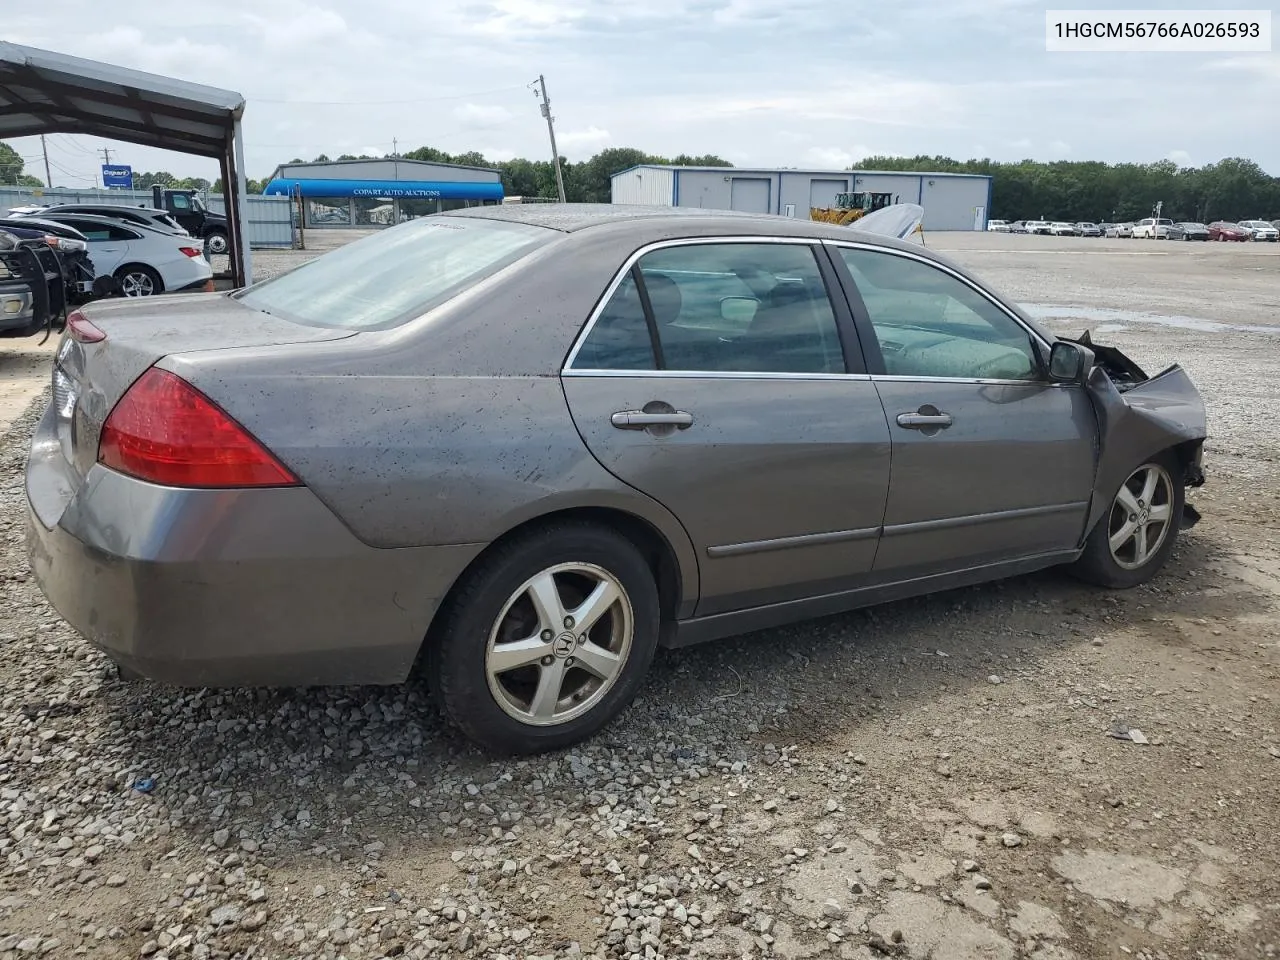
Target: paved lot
{"points": [[929, 779]]}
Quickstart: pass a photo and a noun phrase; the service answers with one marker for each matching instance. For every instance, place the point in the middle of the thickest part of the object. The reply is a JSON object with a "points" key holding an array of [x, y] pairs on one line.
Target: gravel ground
{"points": [[928, 779]]}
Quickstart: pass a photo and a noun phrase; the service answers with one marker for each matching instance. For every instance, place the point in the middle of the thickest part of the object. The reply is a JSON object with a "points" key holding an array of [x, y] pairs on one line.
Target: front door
{"points": [[715, 381], [991, 460]]}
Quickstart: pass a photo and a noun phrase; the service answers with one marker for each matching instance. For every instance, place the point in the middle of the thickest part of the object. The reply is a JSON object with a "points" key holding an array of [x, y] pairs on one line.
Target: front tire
{"points": [[1134, 538], [546, 640], [217, 242]]}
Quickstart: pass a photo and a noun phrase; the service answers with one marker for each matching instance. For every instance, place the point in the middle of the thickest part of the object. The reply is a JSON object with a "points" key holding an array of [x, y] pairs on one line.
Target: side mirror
{"points": [[738, 311], [1069, 362]]}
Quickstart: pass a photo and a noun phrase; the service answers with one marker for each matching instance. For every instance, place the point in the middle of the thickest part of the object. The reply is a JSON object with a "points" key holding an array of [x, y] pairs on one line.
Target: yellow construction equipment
{"points": [[850, 207]]}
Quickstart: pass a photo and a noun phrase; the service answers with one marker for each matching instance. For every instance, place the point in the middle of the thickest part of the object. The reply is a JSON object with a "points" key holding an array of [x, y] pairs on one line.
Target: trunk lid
{"points": [[89, 378]]}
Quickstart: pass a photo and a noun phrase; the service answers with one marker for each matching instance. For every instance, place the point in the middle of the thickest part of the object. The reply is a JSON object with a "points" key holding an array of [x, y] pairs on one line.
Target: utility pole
{"points": [[395, 148], [551, 131], [106, 156], [48, 177]]}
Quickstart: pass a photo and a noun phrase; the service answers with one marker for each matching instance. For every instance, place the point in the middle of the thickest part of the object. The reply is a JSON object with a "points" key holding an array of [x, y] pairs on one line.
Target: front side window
{"points": [[180, 201], [930, 324], [722, 307]]}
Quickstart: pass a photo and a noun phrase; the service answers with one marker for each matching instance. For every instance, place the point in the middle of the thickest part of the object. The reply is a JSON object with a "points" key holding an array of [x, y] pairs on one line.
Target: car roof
{"points": [[38, 224], [575, 218], [142, 211], [98, 218]]}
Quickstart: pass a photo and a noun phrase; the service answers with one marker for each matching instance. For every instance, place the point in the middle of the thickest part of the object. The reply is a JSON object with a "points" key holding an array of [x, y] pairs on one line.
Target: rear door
{"points": [[722, 379], [992, 461]]}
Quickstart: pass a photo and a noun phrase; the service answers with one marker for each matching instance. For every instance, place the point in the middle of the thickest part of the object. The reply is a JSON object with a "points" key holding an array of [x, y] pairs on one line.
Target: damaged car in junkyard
{"points": [[518, 448]]}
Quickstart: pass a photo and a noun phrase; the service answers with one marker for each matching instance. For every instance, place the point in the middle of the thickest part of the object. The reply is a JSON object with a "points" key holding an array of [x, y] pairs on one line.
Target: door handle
{"points": [[918, 421], [639, 420]]}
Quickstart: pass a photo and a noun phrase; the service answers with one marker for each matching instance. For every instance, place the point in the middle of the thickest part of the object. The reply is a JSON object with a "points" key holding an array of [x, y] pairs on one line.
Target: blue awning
{"points": [[388, 189]]}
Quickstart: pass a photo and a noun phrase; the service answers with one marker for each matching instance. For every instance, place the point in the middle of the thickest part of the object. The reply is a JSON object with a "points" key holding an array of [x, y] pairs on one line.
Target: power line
{"points": [[375, 103], [66, 142]]}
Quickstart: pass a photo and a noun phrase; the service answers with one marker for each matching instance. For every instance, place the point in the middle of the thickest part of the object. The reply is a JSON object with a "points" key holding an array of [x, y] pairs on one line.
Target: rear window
{"points": [[395, 275]]}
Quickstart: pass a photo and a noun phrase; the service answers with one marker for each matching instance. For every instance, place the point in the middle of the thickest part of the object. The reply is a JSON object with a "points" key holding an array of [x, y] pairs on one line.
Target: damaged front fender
{"points": [[1138, 418]]}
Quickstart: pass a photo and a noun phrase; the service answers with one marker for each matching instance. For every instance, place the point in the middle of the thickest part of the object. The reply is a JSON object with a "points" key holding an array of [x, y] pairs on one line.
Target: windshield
{"points": [[197, 203], [399, 273]]}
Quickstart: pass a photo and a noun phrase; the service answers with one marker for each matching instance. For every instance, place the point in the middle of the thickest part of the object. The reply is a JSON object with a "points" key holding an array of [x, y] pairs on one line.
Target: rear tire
{"points": [[1135, 536], [139, 280], [217, 241], [511, 663]]}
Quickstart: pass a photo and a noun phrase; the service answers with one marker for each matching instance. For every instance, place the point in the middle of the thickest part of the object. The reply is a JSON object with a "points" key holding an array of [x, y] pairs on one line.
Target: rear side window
{"points": [[718, 308], [395, 275]]}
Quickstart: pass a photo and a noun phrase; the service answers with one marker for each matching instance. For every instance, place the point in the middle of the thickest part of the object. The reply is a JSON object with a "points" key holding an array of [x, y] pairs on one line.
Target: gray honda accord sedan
{"points": [[518, 448]]}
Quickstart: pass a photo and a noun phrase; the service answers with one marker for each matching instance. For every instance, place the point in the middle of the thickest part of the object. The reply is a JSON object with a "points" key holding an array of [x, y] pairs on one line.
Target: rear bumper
{"points": [[226, 588]]}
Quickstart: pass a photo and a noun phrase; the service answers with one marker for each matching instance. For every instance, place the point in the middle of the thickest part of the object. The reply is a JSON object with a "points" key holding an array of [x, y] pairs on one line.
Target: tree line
{"points": [[1231, 189]]}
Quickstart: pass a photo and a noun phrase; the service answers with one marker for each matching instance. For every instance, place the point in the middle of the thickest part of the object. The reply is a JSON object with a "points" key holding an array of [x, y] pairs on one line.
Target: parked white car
{"points": [[1153, 228], [1261, 230], [998, 226], [1061, 228], [1043, 227], [1122, 231], [144, 261]]}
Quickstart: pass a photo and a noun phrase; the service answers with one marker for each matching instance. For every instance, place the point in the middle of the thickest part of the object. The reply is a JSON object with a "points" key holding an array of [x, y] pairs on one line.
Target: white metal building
{"points": [[951, 201]]}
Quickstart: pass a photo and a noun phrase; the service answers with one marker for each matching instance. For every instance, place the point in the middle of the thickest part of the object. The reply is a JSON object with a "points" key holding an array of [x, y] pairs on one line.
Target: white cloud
{"points": [[835, 158], [1180, 157], [759, 82], [481, 113], [584, 142]]}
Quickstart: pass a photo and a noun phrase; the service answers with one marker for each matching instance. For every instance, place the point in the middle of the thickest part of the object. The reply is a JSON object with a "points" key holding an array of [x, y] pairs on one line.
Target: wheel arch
{"points": [[138, 265], [673, 580]]}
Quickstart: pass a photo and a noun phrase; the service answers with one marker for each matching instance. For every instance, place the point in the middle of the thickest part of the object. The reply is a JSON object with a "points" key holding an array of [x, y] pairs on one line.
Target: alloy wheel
{"points": [[1141, 516], [137, 284], [559, 644]]}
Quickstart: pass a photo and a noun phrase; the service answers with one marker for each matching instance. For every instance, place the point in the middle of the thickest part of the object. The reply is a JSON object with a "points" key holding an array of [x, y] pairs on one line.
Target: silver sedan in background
{"points": [[518, 448]]}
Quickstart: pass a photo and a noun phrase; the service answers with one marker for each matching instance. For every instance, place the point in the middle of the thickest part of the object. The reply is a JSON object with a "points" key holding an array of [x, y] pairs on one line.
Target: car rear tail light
{"points": [[191, 251], [165, 431], [80, 329]]}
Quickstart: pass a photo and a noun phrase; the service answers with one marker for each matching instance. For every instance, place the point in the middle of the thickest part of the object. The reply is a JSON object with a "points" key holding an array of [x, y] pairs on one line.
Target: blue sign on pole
{"points": [[117, 176]]}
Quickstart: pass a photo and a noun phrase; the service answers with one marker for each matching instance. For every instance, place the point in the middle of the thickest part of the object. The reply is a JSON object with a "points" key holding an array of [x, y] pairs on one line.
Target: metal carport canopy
{"points": [[46, 92]]}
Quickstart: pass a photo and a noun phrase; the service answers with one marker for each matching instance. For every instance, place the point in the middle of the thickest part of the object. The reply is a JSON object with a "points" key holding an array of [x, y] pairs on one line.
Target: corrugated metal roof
{"points": [[42, 92], [739, 171]]}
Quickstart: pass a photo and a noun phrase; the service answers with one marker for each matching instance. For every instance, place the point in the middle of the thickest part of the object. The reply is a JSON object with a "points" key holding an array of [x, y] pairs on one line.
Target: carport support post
{"points": [[228, 199], [242, 210]]}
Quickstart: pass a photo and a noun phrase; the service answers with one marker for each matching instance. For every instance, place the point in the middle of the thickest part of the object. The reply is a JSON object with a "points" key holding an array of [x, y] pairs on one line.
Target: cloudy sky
{"points": [[817, 83]]}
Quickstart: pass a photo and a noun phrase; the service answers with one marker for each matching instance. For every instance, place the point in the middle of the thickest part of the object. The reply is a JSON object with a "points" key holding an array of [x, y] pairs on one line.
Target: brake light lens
{"points": [[80, 329], [165, 431], [191, 251]]}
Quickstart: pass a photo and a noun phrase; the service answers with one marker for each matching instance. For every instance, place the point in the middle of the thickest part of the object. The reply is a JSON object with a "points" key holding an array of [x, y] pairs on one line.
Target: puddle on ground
{"points": [[1113, 320]]}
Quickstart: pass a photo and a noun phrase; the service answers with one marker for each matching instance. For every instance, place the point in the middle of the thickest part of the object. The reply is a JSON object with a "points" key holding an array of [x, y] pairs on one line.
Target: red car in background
{"points": [[1228, 231]]}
